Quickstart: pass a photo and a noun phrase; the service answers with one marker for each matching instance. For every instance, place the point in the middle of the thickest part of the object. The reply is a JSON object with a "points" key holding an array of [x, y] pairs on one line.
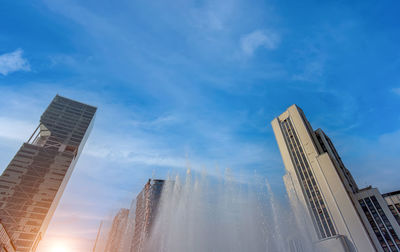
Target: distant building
{"points": [[131, 228], [32, 184], [325, 196], [393, 201], [145, 212], [383, 228], [117, 232], [6, 244]]}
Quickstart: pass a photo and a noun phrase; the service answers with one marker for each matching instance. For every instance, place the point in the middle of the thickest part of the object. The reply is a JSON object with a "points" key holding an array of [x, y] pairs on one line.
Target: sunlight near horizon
{"points": [[60, 247]]}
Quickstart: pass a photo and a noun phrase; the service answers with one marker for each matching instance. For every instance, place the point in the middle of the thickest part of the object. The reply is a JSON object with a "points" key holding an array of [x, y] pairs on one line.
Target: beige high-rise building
{"points": [[325, 197], [393, 201], [32, 184]]}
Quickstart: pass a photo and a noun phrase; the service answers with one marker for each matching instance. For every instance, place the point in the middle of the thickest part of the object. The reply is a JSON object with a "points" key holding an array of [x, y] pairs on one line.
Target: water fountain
{"points": [[202, 213], [206, 214]]}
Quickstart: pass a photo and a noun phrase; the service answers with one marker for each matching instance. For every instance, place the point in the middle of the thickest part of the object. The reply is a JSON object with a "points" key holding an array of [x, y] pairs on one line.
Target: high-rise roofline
{"points": [[58, 95], [33, 183], [391, 193], [340, 216]]}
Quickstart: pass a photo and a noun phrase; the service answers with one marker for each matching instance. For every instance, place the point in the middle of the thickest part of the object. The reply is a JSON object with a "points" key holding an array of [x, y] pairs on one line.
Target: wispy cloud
{"points": [[396, 91], [157, 122], [15, 129], [13, 62], [313, 71], [135, 155], [213, 15], [259, 38], [311, 61]]}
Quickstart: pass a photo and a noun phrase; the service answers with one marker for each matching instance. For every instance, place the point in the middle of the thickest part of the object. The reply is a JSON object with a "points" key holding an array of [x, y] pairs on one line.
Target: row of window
{"points": [[394, 212], [26, 209], [73, 106], [314, 197], [380, 224], [68, 120]]}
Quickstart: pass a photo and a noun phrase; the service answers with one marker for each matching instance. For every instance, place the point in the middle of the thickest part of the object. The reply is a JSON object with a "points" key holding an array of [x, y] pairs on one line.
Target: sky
{"points": [[196, 83]]}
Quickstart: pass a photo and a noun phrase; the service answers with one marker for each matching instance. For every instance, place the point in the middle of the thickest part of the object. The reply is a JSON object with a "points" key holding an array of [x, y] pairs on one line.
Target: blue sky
{"points": [[198, 82]]}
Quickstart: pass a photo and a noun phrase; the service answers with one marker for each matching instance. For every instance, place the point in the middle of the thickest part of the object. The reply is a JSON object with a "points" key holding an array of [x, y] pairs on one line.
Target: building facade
{"points": [[382, 225], [145, 213], [6, 244], [131, 228], [393, 201], [32, 184], [324, 195], [117, 232]]}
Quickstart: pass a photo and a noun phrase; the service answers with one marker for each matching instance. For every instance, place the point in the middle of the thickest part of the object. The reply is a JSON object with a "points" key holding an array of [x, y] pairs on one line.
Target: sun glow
{"points": [[59, 247]]}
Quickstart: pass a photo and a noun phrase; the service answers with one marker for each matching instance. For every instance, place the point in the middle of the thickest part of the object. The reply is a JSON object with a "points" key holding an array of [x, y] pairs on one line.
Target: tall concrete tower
{"points": [[324, 195], [32, 184], [117, 232], [145, 213], [131, 229], [393, 201]]}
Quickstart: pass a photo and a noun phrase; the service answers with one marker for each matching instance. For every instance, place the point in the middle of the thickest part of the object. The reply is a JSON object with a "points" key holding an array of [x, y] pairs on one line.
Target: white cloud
{"points": [[157, 122], [312, 71], [259, 38], [130, 153], [12, 62], [214, 15], [16, 129], [396, 91]]}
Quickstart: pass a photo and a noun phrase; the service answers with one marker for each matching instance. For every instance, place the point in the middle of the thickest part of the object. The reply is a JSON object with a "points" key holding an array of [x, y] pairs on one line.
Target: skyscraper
{"points": [[117, 232], [6, 245], [130, 229], [393, 201], [33, 182], [324, 194], [145, 213]]}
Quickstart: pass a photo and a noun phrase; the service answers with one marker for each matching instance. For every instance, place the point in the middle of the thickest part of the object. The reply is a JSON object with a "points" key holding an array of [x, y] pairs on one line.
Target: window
{"points": [[303, 171]]}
